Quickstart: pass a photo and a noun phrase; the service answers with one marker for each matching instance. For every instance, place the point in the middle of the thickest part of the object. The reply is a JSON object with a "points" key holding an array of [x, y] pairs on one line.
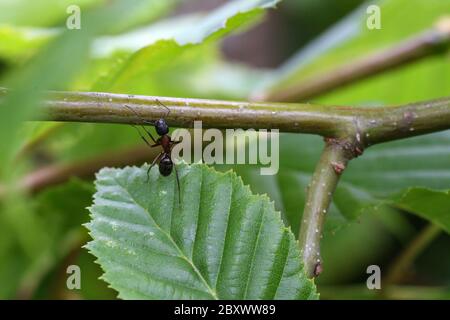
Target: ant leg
{"points": [[178, 184], [149, 134], [173, 143], [163, 105], [151, 166], [143, 121], [142, 137]]}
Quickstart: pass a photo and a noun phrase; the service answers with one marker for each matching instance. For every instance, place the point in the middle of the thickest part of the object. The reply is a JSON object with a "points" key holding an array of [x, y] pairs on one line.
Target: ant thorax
{"points": [[165, 142]]}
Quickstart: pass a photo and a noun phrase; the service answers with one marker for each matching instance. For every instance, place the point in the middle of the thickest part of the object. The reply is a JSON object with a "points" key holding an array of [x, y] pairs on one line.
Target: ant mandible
{"points": [[166, 164]]}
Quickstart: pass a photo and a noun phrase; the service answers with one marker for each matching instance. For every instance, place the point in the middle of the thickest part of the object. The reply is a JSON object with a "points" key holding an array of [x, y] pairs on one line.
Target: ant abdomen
{"points": [[165, 166]]}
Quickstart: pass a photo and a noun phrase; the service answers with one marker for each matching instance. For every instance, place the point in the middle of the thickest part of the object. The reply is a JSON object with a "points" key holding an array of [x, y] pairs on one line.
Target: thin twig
{"points": [[432, 42], [57, 174]]}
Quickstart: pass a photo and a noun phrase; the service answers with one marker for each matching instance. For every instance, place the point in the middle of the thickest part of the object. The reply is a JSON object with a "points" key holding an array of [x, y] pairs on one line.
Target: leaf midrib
{"points": [[252, 263]]}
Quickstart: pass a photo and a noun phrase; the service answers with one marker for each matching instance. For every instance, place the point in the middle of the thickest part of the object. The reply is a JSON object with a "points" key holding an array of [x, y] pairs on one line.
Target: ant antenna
{"points": [[140, 118], [163, 105], [143, 128]]}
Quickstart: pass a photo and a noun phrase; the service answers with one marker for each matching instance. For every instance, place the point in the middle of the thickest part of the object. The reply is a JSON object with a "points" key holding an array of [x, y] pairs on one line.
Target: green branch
{"points": [[110, 108], [368, 125]]}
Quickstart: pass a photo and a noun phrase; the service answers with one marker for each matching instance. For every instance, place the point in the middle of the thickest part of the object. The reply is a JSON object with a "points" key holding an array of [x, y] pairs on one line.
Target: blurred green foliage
{"points": [[400, 20]]}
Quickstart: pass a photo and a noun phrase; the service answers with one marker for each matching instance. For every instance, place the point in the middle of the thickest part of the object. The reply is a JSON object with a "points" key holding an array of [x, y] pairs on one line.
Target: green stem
{"points": [[332, 163], [370, 125]]}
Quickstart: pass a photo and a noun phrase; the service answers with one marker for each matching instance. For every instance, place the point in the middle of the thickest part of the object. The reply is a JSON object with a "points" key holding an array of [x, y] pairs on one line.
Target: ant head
{"points": [[161, 127], [165, 165]]}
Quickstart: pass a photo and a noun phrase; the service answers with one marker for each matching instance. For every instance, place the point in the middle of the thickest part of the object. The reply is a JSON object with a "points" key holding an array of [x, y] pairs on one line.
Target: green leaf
{"points": [[147, 11], [130, 74], [222, 243], [189, 71], [429, 204]]}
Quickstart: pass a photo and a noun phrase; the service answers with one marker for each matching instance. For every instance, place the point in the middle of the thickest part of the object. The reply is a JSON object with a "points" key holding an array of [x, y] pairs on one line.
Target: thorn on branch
{"points": [[338, 167]]}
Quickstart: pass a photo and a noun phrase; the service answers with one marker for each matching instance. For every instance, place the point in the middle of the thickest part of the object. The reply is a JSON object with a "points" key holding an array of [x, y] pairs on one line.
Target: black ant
{"points": [[165, 141]]}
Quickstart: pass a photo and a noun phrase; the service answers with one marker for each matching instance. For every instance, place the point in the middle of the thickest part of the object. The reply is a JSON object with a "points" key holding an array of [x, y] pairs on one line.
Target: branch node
{"points": [[352, 148], [338, 167]]}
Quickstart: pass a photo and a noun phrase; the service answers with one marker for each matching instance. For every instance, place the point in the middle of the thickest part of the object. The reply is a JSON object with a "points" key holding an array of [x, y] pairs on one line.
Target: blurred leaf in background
{"points": [[145, 47], [400, 20]]}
